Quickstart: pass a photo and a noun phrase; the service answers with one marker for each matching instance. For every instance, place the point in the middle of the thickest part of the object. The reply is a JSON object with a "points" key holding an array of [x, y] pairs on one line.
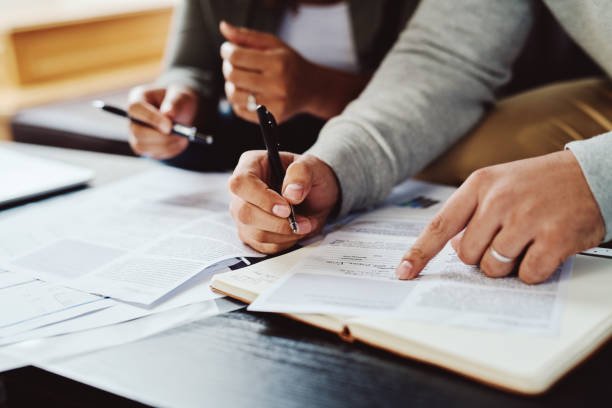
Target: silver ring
{"points": [[500, 257], [251, 103]]}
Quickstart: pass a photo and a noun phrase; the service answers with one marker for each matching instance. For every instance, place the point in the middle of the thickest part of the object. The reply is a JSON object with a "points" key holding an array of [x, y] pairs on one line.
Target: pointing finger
{"points": [[451, 219]]}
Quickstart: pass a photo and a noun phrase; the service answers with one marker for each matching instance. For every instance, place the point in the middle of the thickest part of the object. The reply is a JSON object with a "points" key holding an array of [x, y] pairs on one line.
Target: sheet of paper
{"points": [[28, 328], [35, 304], [352, 273], [10, 363], [195, 290], [135, 240], [139, 370], [8, 278], [50, 349]]}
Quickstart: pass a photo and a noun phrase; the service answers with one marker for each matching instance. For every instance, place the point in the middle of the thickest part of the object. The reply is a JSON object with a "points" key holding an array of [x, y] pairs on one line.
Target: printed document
{"points": [[135, 240], [352, 273]]}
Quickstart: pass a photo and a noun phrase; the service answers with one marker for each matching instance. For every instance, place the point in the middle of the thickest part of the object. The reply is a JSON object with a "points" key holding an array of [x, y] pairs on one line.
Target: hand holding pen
{"points": [[261, 211], [159, 120]]}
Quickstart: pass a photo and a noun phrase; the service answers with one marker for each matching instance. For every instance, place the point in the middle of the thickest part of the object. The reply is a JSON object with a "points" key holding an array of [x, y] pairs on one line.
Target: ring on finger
{"points": [[500, 257], [251, 103]]}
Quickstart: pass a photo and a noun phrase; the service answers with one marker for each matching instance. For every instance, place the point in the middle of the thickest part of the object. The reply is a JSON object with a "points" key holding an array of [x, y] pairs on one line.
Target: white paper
{"points": [[34, 304], [51, 349], [28, 328], [135, 240], [353, 273], [10, 363], [8, 278], [140, 370], [195, 290]]}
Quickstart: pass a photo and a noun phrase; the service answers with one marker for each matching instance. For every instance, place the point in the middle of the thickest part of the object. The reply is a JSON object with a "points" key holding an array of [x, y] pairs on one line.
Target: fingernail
{"points": [[281, 211], [294, 191], [403, 270], [304, 227], [226, 49], [166, 127]]}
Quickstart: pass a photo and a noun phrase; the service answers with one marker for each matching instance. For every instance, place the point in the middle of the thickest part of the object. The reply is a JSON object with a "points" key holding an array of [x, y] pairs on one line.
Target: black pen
{"points": [[269, 131], [190, 132]]}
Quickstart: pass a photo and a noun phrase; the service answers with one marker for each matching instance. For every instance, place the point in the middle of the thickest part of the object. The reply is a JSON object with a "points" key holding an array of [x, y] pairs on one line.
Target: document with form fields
{"points": [[135, 240]]}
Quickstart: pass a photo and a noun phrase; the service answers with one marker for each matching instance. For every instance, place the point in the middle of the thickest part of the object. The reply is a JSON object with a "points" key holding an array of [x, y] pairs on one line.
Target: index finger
{"points": [[242, 57], [149, 114], [451, 219], [145, 93]]}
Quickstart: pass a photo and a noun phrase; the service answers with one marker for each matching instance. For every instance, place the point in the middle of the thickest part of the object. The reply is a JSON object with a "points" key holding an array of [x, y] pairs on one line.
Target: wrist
{"points": [[329, 184], [315, 83], [333, 90]]}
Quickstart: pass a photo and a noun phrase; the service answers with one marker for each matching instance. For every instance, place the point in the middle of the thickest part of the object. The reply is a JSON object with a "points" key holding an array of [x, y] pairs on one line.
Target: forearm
{"points": [[594, 156], [333, 91], [432, 87], [192, 58], [200, 81]]}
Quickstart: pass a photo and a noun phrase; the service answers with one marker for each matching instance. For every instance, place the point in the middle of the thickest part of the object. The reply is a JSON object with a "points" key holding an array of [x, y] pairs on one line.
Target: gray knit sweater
{"points": [[438, 81]]}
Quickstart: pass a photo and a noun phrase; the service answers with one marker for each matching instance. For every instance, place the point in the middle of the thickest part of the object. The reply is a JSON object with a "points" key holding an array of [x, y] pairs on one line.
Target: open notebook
{"points": [[515, 362]]}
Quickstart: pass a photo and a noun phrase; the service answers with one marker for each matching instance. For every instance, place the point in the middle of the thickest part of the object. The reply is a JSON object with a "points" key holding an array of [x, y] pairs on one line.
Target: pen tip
{"points": [[97, 104]]}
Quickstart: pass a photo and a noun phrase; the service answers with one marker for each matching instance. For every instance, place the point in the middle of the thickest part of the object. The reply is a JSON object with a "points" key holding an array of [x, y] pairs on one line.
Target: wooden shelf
{"points": [[72, 48]]}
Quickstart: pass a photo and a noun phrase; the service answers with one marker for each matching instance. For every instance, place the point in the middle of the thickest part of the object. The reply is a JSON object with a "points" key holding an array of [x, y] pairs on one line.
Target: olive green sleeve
{"points": [[193, 53]]}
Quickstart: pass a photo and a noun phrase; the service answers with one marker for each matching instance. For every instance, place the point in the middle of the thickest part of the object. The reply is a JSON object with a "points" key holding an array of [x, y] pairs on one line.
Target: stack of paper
{"points": [[135, 240], [144, 247]]}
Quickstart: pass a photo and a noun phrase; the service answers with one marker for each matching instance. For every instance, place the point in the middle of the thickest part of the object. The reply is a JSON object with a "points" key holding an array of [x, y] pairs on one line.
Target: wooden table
{"points": [[303, 366]]}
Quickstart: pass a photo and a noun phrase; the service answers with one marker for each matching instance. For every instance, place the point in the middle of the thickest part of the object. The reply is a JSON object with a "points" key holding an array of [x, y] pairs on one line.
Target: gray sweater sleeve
{"points": [[432, 87], [589, 23], [595, 158]]}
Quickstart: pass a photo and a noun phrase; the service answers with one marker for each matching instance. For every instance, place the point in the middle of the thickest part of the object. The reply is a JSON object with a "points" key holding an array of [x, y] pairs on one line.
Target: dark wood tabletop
{"points": [[264, 360]]}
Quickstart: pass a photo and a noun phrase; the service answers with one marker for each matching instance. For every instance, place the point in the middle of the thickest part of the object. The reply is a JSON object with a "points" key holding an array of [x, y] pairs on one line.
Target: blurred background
{"points": [[58, 55], [59, 50]]}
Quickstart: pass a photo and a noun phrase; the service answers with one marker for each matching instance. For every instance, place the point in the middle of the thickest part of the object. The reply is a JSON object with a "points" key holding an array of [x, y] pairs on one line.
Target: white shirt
{"points": [[321, 34]]}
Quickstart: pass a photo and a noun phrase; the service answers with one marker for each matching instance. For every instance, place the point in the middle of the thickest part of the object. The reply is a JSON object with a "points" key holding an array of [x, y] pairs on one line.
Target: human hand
{"points": [[261, 214], [540, 207], [160, 107], [261, 64]]}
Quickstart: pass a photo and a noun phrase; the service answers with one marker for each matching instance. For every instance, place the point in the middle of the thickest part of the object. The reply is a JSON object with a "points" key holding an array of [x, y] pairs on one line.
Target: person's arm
{"points": [[192, 59], [432, 87], [589, 25], [189, 85], [278, 77], [595, 158], [532, 214]]}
